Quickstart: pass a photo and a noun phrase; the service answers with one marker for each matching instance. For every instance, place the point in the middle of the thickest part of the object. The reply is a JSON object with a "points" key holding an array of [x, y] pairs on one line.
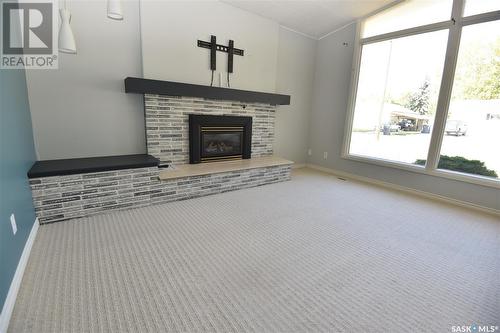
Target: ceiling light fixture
{"points": [[66, 39]]}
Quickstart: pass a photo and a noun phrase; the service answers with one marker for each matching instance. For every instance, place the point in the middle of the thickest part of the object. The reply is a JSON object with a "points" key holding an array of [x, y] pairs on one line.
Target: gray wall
{"points": [[331, 90], [170, 30], [17, 155], [81, 109], [295, 76]]}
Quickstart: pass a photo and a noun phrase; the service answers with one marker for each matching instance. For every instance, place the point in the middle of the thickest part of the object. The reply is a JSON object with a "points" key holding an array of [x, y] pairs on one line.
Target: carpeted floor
{"points": [[315, 254]]}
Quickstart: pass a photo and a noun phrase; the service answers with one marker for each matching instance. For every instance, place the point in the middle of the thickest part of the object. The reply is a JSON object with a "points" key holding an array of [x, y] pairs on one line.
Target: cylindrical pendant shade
{"points": [[66, 39], [115, 10]]}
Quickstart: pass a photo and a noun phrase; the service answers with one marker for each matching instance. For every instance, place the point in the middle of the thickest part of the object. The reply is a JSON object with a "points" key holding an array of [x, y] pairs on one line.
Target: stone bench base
{"points": [[58, 198]]}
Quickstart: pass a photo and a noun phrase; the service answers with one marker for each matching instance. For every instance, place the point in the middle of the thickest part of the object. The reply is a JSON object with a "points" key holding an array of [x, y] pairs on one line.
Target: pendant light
{"points": [[115, 10], [66, 39]]}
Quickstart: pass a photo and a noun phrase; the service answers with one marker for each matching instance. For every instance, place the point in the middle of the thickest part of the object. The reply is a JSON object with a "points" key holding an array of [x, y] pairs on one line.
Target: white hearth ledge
{"points": [[190, 170]]}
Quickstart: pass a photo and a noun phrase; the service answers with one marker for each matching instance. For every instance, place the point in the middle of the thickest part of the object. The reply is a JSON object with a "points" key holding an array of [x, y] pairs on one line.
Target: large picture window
{"points": [[426, 89], [472, 130]]}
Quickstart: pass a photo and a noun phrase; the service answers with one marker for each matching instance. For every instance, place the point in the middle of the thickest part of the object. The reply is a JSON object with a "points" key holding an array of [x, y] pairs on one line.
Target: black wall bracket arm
{"points": [[213, 53], [220, 48], [230, 53]]}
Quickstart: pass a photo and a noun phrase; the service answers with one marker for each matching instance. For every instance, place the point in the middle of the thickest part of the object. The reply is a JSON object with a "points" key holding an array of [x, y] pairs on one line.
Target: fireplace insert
{"points": [[219, 138]]}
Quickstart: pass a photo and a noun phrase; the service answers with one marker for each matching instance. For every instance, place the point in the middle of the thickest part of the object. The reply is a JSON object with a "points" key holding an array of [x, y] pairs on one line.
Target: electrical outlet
{"points": [[309, 152], [13, 223], [325, 155]]}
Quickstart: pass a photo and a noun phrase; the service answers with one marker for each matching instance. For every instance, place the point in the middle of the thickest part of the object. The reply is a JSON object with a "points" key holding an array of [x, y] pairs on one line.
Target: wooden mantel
{"points": [[157, 87]]}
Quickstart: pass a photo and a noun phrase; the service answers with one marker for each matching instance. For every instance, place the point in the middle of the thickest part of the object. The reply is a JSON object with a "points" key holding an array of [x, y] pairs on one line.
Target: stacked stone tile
{"points": [[167, 124], [60, 198]]}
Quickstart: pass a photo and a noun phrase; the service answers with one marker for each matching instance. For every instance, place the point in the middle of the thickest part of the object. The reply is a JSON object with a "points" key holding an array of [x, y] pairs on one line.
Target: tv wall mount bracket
{"points": [[214, 47]]}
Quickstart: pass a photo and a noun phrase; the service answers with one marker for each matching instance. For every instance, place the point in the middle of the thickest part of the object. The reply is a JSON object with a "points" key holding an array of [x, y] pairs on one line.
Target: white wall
{"points": [[331, 90], [295, 76], [81, 109], [170, 30]]}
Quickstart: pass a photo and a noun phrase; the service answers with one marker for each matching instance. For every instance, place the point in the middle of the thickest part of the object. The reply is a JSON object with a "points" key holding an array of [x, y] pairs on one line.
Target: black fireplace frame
{"points": [[196, 121]]}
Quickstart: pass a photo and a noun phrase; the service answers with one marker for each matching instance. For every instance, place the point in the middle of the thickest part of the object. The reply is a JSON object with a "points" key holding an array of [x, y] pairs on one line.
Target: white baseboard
{"points": [[10, 301], [392, 186]]}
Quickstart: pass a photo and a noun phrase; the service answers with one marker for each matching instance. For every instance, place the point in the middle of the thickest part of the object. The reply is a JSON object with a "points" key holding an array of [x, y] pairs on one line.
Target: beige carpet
{"points": [[315, 254]]}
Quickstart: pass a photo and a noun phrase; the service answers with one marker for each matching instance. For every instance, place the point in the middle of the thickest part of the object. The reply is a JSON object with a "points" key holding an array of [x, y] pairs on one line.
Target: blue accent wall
{"points": [[17, 155]]}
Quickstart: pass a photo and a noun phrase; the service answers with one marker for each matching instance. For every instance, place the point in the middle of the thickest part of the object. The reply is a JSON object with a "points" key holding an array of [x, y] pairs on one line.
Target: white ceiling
{"points": [[315, 18]]}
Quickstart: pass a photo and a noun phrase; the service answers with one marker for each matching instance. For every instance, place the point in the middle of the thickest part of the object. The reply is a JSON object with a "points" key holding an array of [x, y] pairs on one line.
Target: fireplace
{"points": [[219, 138]]}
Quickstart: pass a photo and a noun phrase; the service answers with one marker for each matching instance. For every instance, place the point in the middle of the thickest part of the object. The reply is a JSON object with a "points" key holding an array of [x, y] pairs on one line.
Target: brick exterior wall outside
{"points": [[167, 125]]}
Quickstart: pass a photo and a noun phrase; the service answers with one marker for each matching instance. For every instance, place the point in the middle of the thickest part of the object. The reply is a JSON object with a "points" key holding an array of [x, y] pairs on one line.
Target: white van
{"points": [[456, 127]]}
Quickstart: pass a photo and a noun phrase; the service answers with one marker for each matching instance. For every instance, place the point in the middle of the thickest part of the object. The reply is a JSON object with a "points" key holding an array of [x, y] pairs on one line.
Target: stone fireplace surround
{"points": [[64, 196], [167, 124]]}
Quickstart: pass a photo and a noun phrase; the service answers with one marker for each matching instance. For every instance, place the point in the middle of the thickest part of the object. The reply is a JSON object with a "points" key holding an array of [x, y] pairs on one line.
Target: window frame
{"points": [[454, 26]]}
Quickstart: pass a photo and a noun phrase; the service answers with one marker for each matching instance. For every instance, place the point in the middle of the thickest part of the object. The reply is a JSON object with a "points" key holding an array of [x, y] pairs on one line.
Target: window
{"points": [[397, 99], [408, 14], [426, 90], [472, 131]]}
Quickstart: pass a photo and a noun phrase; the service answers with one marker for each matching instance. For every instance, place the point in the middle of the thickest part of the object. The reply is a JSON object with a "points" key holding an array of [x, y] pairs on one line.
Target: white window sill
{"points": [[478, 180]]}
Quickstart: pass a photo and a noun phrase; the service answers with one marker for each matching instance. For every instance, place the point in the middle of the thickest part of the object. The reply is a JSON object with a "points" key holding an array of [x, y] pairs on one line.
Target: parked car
{"points": [[456, 127], [406, 125]]}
